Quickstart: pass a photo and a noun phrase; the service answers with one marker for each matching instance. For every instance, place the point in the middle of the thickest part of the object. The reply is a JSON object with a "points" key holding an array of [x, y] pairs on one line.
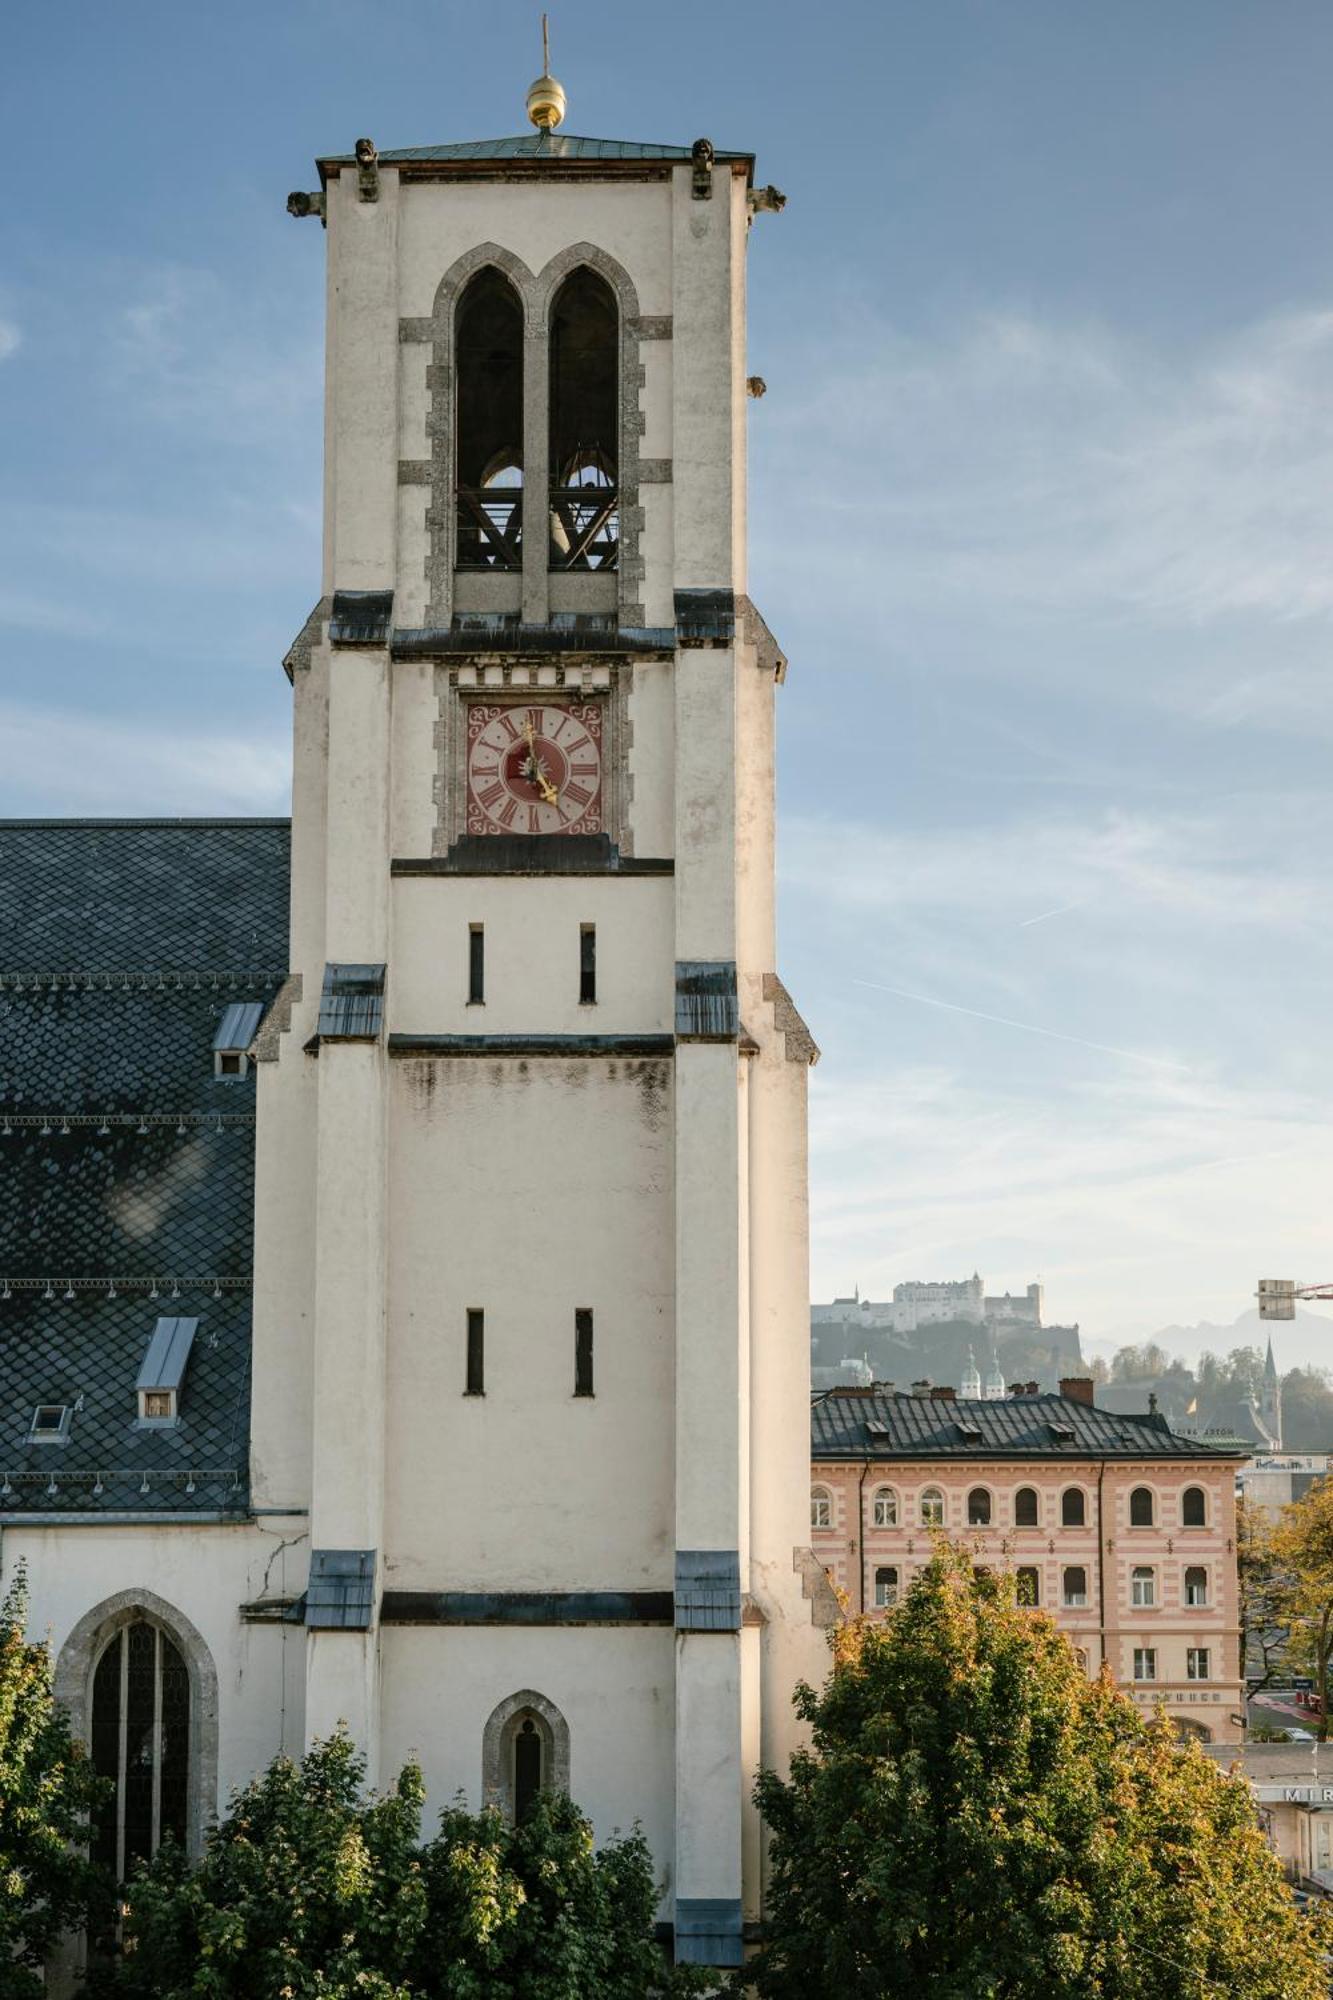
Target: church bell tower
{"points": [[531, 1325]]}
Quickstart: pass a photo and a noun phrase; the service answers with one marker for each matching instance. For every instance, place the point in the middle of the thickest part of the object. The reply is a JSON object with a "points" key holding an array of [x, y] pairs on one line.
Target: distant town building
{"points": [[1292, 1786], [920, 1303], [1119, 1527], [1271, 1480]]}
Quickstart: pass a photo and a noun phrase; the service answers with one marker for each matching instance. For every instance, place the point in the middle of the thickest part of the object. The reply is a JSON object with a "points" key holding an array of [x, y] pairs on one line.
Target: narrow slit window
{"points": [[587, 965], [476, 965], [583, 1351], [476, 1352]]}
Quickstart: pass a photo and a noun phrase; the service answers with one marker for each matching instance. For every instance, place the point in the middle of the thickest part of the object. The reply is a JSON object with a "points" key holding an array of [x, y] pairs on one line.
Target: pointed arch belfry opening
{"points": [[590, 258], [141, 1690], [442, 379], [489, 423], [583, 357], [524, 1751]]}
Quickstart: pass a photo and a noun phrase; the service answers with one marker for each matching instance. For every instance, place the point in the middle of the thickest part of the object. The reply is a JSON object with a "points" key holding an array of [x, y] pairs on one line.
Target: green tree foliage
{"points": [[1264, 1595], [312, 1890], [47, 1793], [977, 1821], [1302, 1553], [1307, 1410]]}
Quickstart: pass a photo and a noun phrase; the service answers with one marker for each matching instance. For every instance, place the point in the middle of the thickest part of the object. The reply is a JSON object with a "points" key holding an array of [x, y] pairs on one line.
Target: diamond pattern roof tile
{"points": [[144, 895], [891, 1424], [124, 1164]]}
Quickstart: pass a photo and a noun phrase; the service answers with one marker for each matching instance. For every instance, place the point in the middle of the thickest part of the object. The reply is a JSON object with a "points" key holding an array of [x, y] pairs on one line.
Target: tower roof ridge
{"points": [[534, 146]]}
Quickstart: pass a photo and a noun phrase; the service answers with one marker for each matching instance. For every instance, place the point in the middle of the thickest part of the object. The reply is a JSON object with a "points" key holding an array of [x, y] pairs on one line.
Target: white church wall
{"points": [[282, 1359], [532, 955], [709, 516], [630, 221], [203, 1573], [613, 1686], [361, 470], [652, 725], [526, 1488], [415, 714]]}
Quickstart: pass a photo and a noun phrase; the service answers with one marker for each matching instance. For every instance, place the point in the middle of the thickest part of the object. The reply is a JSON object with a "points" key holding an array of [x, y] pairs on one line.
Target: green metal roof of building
{"points": [[535, 146]]}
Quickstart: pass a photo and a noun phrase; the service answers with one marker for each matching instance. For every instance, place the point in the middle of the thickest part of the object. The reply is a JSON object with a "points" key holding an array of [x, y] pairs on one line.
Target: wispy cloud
{"points": [[1023, 1027], [10, 339], [1046, 470], [1162, 1203], [235, 364], [74, 763]]}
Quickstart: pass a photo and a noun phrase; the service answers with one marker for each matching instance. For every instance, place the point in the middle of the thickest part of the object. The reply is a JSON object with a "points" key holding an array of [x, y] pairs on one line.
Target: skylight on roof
{"points": [[50, 1424], [163, 1371], [231, 1044], [1062, 1433], [970, 1432]]}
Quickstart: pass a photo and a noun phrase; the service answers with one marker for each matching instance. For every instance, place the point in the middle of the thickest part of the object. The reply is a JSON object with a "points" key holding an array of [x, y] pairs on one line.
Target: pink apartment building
{"points": [[1124, 1531]]}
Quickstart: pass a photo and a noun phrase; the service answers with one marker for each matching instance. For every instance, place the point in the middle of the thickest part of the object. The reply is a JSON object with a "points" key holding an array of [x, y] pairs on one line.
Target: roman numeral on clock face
{"points": [[534, 769]]}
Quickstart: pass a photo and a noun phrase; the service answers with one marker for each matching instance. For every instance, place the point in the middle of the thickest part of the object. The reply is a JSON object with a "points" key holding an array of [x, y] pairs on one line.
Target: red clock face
{"points": [[534, 770]]}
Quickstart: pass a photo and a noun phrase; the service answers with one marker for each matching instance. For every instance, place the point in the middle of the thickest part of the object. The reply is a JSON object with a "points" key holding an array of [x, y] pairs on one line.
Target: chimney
{"points": [[942, 1394], [921, 1388], [1031, 1389], [1078, 1388]]}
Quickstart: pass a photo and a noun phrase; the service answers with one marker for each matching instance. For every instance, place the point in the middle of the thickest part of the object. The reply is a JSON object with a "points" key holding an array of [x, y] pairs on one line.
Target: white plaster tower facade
{"points": [[531, 1337]]}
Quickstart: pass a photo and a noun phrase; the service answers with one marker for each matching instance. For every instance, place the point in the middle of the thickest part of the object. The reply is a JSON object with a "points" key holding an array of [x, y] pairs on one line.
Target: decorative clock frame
{"points": [[462, 690]]}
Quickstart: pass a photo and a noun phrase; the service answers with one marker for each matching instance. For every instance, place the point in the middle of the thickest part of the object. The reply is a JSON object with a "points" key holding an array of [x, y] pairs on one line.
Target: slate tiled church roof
{"points": [[888, 1424], [126, 1169]]}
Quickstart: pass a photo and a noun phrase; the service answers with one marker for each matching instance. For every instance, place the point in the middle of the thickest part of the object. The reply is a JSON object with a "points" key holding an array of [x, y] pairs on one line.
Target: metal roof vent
{"points": [[50, 1424], [163, 1371], [341, 1590], [231, 1043], [351, 1006]]}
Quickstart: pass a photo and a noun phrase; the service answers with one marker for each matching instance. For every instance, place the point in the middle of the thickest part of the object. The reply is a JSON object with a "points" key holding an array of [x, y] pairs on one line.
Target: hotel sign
{"points": [[1293, 1795]]}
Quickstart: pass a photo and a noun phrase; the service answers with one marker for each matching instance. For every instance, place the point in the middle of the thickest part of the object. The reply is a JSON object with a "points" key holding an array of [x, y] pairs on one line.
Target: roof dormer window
{"points": [[163, 1371], [50, 1424], [231, 1043]]}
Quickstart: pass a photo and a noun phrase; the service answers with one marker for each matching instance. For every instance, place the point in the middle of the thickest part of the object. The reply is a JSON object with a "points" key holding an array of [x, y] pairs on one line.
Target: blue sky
{"points": [[1042, 509]]}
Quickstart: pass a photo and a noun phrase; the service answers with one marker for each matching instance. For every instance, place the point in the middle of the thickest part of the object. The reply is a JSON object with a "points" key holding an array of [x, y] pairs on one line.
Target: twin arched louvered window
{"points": [[493, 440]]}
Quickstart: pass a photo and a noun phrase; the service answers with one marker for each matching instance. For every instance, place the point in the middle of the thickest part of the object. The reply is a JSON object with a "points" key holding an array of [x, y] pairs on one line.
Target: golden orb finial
{"points": [[546, 98]]}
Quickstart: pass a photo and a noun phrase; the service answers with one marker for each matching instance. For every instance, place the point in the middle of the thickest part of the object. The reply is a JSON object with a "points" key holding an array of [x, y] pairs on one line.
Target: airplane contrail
{"points": [[1027, 1027], [1060, 910]]}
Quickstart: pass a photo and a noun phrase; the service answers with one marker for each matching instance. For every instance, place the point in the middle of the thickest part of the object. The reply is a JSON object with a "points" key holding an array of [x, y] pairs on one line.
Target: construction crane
{"points": [[1277, 1296]]}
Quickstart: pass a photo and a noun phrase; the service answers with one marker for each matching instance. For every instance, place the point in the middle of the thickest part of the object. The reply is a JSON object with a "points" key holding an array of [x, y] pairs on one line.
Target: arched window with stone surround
{"points": [[583, 336], [140, 1741], [525, 1751], [488, 424], [140, 1688]]}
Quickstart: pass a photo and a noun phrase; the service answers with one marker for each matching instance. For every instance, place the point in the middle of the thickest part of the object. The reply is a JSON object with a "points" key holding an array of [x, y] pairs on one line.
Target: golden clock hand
{"points": [[535, 774]]}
